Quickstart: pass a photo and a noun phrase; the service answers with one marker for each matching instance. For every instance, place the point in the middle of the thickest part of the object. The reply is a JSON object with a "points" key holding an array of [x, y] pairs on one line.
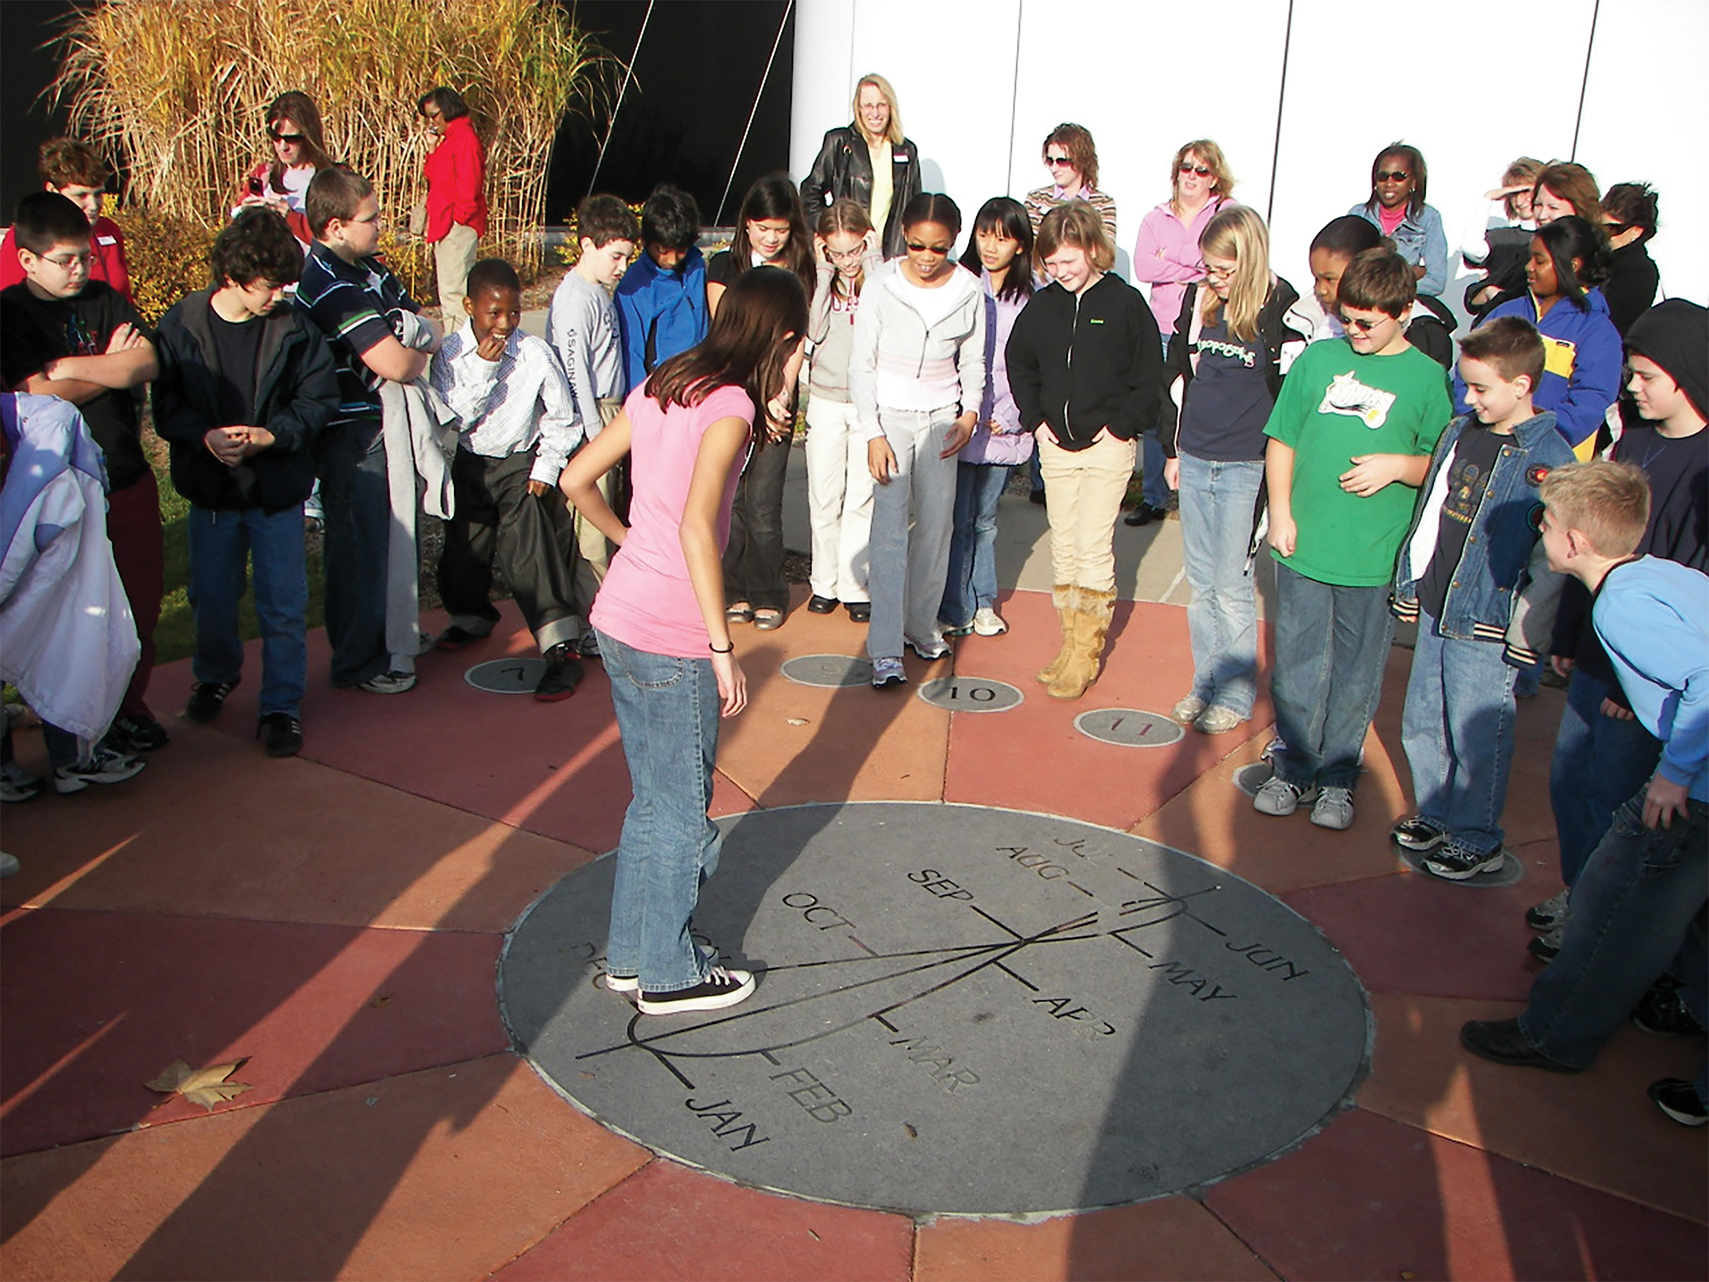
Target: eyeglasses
{"points": [[1359, 323], [1203, 171], [849, 255], [1392, 175], [65, 262], [937, 251], [1058, 162], [293, 139], [1219, 273]]}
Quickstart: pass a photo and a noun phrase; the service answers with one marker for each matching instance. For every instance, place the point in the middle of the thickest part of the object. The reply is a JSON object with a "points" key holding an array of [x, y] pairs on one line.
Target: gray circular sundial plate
{"points": [[1129, 727], [828, 670], [506, 676], [1253, 777], [1511, 870], [960, 1010], [971, 694]]}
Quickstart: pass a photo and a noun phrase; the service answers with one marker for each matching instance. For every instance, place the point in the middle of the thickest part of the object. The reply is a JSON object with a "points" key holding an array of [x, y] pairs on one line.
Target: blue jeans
{"points": [[1457, 730], [1331, 643], [358, 505], [221, 543], [667, 715], [1638, 900], [971, 583], [1599, 763], [1218, 501], [1153, 488]]}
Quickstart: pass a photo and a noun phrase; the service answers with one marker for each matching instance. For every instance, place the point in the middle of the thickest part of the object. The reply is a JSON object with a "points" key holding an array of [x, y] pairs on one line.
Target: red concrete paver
{"points": [[1597, 1128], [667, 1221], [213, 829], [1172, 1238], [1466, 942], [1371, 1198], [97, 1004], [441, 1174]]}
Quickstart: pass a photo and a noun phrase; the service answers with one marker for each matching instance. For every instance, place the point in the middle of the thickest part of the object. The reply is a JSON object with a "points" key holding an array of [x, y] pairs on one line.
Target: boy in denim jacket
{"points": [[1473, 574]]}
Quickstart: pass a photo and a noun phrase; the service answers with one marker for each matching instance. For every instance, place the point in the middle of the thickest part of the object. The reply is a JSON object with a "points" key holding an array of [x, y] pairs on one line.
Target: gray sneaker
{"points": [[1548, 915], [1217, 719], [103, 766], [1277, 797], [1334, 808], [389, 683]]}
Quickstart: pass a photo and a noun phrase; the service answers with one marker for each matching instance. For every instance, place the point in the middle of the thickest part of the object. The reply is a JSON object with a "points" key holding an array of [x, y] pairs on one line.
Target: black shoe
{"points": [[281, 734], [1549, 914], [563, 674], [719, 989], [137, 732], [1662, 1013], [1036, 496], [1678, 1099], [1455, 862], [817, 604], [1547, 946], [859, 611], [1501, 1042], [455, 638], [206, 700]]}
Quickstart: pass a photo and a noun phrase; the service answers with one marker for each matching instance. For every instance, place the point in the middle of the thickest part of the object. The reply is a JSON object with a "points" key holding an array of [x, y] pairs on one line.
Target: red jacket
{"points": [[106, 242], [456, 175]]}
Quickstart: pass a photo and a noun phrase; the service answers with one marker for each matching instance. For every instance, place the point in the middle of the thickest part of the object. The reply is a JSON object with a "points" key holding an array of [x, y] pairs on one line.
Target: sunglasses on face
{"points": [[1392, 175], [937, 251], [1358, 323], [293, 139], [1203, 171], [1057, 162]]}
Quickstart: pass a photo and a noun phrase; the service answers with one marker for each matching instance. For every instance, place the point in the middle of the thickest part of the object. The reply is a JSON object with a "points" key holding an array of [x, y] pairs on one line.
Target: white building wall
{"points": [[1471, 83]]}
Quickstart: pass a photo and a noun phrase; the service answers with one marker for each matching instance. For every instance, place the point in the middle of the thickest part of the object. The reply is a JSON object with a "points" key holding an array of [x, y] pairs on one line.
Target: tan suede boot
{"points": [[1091, 626], [1066, 598]]}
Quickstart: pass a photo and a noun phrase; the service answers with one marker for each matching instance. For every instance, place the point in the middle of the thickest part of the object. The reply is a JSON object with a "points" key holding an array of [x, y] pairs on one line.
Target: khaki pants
{"points": [[1083, 495], [595, 550], [452, 258]]}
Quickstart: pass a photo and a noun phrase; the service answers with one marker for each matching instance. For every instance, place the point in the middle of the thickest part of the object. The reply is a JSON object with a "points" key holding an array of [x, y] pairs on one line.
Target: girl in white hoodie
{"points": [[916, 373]]}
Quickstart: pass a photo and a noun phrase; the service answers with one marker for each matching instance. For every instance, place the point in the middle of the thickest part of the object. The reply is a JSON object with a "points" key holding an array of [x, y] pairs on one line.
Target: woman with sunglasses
{"points": [[1072, 159], [1166, 257], [1396, 208], [298, 149]]}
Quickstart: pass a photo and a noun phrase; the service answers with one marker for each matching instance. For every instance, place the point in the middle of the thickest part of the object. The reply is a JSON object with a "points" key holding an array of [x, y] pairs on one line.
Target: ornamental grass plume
{"points": [[178, 89]]}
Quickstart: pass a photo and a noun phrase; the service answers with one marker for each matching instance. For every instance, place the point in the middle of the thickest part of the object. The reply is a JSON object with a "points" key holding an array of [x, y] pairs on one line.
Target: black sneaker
{"points": [[137, 732], [1678, 1099], [206, 700], [1418, 834], [455, 638], [1547, 946], [1662, 1012], [1455, 862], [719, 989], [281, 734], [1500, 1041], [817, 604], [562, 675], [1549, 914]]}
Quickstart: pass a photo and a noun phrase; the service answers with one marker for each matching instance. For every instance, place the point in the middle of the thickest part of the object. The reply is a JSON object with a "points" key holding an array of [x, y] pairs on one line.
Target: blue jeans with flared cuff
{"points": [[1457, 729], [222, 543], [1217, 505], [1331, 644], [971, 583], [667, 715], [1636, 907]]}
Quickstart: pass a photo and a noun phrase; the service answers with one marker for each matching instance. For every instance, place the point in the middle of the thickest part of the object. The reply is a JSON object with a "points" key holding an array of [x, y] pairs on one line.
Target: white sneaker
{"points": [[1217, 719], [104, 766], [987, 624], [931, 648], [389, 683], [1333, 808], [1188, 710]]}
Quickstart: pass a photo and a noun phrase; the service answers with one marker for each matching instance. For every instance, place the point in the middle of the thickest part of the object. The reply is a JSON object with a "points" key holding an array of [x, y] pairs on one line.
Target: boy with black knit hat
{"points": [[1602, 755]]}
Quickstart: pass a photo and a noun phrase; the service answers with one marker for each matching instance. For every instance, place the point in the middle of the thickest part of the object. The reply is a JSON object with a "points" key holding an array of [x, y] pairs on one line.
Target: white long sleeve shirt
{"points": [[509, 405]]}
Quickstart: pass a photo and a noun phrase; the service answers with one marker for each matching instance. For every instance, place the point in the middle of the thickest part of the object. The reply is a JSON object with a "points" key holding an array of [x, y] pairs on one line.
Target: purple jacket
{"points": [[1015, 445]]}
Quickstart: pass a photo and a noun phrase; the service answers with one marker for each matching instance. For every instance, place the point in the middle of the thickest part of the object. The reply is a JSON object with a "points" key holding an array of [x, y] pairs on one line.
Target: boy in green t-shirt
{"points": [[1350, 440]]}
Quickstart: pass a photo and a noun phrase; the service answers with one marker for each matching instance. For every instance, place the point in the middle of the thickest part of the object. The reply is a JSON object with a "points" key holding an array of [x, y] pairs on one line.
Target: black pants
{"points": [[494, 507], [753, 561]]}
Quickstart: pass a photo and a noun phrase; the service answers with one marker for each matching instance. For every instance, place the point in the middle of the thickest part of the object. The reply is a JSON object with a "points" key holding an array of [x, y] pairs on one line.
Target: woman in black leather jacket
{"points": [[870, 162]]}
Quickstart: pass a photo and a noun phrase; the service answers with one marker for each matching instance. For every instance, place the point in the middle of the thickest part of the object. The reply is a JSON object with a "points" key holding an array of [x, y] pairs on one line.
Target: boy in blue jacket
{"points": [[1640, 899], [1472, 576], [661, 300]]}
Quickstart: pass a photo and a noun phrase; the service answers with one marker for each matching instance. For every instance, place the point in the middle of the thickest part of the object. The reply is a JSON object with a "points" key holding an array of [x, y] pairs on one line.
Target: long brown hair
{"points": [[846, 216], [775, 196], [760, 319], [300, 110]]}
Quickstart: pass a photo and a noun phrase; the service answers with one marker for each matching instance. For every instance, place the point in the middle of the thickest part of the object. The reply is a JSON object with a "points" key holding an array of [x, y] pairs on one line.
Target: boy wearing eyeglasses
{"points": [[74, 170], [1350, 441], [1474, 578], [63, 334]]}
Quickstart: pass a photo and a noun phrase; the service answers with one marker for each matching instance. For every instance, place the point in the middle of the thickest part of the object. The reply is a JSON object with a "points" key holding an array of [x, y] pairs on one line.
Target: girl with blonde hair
{"points": [[1225, 365]]}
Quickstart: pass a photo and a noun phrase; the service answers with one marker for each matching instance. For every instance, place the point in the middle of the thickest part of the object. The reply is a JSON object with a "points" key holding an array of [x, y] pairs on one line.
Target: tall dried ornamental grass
{"points": [[179, 88]]}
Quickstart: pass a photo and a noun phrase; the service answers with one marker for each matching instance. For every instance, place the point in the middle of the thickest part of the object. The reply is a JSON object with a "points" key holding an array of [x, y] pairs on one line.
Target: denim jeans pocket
{"points": [[650, 671]]}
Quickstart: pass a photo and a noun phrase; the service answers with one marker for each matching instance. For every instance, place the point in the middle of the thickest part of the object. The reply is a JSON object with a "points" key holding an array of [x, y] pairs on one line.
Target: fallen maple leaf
{"points": [[204, 1086]]}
